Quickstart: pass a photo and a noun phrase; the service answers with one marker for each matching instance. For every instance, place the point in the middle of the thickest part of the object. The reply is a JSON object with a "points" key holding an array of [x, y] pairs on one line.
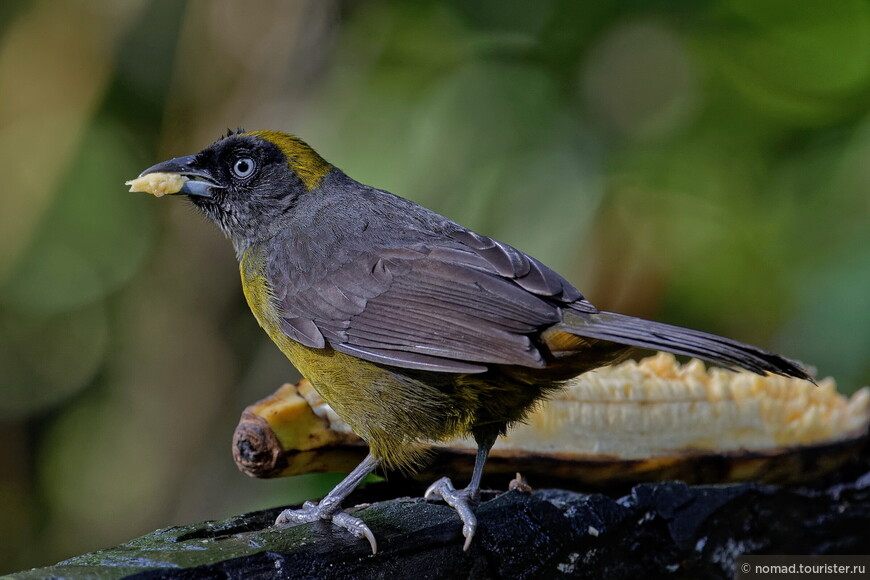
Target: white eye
{"points": [[243, 167]]}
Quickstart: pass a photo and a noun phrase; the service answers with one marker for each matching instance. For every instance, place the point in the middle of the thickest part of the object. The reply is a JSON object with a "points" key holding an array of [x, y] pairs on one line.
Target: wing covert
{"points": [[456, 305]]}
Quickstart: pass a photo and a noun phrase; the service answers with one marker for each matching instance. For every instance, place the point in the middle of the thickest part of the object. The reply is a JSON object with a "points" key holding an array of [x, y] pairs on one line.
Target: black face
{"points": [[243, 183], [257, 184]]}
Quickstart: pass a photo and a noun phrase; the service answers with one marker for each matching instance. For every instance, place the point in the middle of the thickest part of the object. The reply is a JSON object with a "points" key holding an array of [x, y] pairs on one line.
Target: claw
{"points": [[355, 526], [458, 500], [371, 538], [312, 512], [469, 534]]}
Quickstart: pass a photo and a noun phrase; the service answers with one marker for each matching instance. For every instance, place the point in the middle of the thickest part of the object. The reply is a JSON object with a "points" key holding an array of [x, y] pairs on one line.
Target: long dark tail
{"points": [[659, 336]]}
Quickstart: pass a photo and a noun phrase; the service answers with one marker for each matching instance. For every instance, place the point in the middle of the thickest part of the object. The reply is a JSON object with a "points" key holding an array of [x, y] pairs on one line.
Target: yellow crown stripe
{"points": [[310, 167]]}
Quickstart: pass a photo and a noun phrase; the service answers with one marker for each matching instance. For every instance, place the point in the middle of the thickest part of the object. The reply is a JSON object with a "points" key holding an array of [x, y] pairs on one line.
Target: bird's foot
{"points": [[312, 512], [460, 500]]}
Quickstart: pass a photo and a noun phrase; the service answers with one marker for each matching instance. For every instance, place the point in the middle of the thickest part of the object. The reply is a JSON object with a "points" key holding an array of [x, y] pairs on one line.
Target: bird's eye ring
{"points": [[243, 167]]}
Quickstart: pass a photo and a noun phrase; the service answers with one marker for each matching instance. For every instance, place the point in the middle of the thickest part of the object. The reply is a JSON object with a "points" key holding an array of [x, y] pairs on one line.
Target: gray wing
{"points": [[456, 306]]}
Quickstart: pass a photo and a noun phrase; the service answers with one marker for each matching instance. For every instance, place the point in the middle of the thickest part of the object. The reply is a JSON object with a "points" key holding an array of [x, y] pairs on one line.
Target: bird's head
{"points": [[245, 182]]}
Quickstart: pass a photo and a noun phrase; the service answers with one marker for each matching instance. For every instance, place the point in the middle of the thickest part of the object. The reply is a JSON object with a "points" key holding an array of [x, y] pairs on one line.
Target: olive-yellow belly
{"points": [[398, 412]]}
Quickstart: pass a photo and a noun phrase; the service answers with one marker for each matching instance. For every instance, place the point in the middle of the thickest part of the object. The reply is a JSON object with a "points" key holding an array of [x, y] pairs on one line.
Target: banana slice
{"points": [[637, 421]]}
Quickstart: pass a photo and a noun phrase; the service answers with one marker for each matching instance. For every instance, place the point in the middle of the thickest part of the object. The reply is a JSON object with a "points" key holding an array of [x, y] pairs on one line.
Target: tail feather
{"points": [[642, 333]]}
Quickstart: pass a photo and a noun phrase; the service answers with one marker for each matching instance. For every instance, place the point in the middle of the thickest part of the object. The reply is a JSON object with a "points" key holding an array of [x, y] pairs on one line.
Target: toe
{"points": [[441, 488], [461, 501], [283, 518], [312, 512], [308, 513], [357, 527]]}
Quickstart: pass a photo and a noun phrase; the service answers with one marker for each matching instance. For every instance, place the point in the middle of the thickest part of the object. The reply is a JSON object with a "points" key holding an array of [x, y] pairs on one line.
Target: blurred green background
{"points": [[702, 163]]}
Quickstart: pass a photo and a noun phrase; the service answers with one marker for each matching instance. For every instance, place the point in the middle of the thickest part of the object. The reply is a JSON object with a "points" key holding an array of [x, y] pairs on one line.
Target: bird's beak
{"points": [[200, 182]]}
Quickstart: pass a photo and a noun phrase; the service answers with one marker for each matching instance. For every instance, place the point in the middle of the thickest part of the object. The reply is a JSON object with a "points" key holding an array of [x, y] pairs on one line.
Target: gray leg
{"points": [[485, 440], [462, 500], [329, 508]]}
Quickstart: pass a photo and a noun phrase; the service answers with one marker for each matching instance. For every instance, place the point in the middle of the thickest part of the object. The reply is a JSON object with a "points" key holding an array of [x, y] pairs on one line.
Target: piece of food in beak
{"points": [[158, 184]]}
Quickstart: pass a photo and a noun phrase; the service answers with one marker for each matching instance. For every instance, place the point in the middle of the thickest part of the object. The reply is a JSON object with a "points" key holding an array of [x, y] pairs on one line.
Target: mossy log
{"points": [[656, 529]]}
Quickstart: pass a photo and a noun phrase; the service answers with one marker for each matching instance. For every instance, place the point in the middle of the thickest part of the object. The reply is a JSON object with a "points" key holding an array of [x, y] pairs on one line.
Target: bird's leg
{"points": [[329, 508], [462, 500]]}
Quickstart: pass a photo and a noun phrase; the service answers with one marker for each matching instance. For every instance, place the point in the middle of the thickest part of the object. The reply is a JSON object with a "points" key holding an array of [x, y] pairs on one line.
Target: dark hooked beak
{"points": [[200, 183]]}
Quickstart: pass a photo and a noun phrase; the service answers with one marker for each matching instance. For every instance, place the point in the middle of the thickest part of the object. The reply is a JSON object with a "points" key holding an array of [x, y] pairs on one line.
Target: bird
{"points": [[412, 327]]}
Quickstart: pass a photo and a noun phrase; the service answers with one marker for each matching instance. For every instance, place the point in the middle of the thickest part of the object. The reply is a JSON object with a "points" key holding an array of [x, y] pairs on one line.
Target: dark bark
{"points": [[658, 529]]}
